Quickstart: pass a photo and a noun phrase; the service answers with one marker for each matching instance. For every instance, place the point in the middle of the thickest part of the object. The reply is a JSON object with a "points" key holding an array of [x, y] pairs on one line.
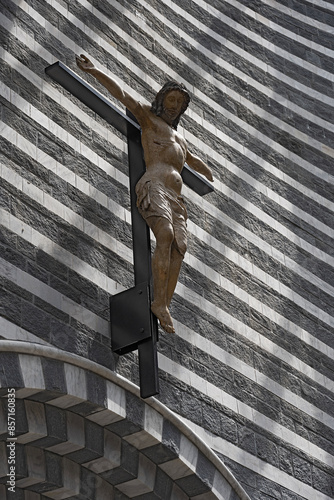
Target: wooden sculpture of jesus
{"points": [[159, 199]]}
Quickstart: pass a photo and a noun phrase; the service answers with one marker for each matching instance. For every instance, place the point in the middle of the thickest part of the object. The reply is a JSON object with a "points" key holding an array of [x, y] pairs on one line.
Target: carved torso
{"points": [[164, 151]]}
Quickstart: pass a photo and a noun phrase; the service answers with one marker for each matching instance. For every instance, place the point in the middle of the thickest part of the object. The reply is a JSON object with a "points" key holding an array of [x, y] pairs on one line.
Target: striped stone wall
{"points": [[251, 367]]}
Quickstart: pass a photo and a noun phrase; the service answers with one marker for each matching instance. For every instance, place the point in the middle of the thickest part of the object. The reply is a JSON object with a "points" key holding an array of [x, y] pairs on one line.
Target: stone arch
{"points": [[83, 431]]}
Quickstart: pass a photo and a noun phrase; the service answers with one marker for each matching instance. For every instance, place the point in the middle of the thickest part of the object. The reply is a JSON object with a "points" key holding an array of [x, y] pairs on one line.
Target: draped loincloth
{"points": [[154, 200]]}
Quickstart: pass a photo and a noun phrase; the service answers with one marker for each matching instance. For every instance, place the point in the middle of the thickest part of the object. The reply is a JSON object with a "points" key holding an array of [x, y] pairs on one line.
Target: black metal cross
{"points": [[133, 326]]}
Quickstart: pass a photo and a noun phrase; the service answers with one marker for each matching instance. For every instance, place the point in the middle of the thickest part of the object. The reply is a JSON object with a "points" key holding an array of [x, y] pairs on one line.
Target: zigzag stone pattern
{"points": [[250, 369], [109, 444]]}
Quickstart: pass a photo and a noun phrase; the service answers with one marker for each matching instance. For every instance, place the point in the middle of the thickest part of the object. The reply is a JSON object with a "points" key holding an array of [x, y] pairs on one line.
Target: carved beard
{"points": [[170, 113]]}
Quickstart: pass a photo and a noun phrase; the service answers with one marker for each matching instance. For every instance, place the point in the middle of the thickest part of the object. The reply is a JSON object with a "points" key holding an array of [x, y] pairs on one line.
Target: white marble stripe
{"points": [[124, 215], [269, 142], [68, 215], [321, 3], [255, 157], [208, 347], [296, 15], [255, 464], [35, 238], [193, 380], [56, 299], [249, 235], [269, 193], [81, 148], [236, 325], [104, 130], [209, 77], [53, 297], [276, 27], [246, 55], [263, 42], [111, 243], [59, 253], [254, 303], [76, 181], [76, 144], [256, 271], [116, 141], [126, 253], [10, 331], [105, 239], [315, 170]]}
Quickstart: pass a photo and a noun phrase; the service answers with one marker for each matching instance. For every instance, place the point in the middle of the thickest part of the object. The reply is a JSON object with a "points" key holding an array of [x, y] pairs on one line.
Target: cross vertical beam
{"points": [[147, 349]]}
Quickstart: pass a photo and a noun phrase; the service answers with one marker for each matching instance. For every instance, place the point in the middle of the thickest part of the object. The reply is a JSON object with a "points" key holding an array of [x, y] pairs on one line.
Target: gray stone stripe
{"points": [[307, 218], [104, 239], [53, 297], [239, 51], [252, 37], [270, 398], [296, 158], [298, 16], [85, 187], [322, 3], [89, 228], [65, 214], [278, 431], [37, 239], [50, 91], [101, 198], [262, 20], [267, 219], [209, 77], [294, 488], [262, 162], [141, 425], [112, 287]]}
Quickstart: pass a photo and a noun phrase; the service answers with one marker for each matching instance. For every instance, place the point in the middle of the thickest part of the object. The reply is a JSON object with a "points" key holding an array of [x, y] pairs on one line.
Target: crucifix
{"points": [[157, 156]]}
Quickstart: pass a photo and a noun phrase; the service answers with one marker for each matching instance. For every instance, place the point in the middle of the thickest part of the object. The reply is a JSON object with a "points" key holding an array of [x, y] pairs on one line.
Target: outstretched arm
{"points": [[199, 165], [112, 86]]}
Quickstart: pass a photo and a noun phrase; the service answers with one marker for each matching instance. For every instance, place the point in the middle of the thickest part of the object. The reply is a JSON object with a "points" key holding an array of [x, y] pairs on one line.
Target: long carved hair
{"points": [[157, 104]]}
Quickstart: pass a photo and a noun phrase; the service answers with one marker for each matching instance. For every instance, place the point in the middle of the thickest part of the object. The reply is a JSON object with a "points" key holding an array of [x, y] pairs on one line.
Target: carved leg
{"points": [[161, 260], [176, 260]]}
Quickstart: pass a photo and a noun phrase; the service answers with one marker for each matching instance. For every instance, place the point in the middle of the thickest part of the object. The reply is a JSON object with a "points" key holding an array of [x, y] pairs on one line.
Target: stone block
{"points": [[96, 389], [56, 423], [144, 483], [75, 436], [36, 468], [54, 375], [37, 428], [10, 370], [32, 374], [128, 469], [111, 455], [171, 437], [71, 482]]}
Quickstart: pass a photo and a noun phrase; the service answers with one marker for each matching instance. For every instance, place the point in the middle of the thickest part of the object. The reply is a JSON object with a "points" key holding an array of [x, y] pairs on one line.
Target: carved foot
{"points": [[162, 313]]}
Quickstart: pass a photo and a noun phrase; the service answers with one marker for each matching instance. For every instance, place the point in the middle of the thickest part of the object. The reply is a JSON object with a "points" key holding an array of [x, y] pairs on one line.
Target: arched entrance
{"points": [[82, 431]]}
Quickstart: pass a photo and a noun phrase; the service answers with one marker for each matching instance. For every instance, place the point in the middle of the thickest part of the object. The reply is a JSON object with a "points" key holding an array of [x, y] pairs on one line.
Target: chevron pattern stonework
{"points": [[250, 369]]}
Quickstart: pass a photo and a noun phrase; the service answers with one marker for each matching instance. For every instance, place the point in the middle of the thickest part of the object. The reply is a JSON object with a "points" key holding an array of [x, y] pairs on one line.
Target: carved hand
{"points": [[84, 63]]}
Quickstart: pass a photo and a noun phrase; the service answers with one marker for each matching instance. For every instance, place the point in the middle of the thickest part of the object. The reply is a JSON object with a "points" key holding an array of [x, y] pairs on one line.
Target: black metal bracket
{"points": [[133, 326], [131, 318]]}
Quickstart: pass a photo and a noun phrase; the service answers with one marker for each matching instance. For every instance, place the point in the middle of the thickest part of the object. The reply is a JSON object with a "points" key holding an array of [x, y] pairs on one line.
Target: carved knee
{"points": [[164, 233]]}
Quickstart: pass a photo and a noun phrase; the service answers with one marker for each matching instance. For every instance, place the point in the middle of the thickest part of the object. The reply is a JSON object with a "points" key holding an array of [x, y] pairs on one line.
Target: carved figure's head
{"points": [[158, 103]]}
